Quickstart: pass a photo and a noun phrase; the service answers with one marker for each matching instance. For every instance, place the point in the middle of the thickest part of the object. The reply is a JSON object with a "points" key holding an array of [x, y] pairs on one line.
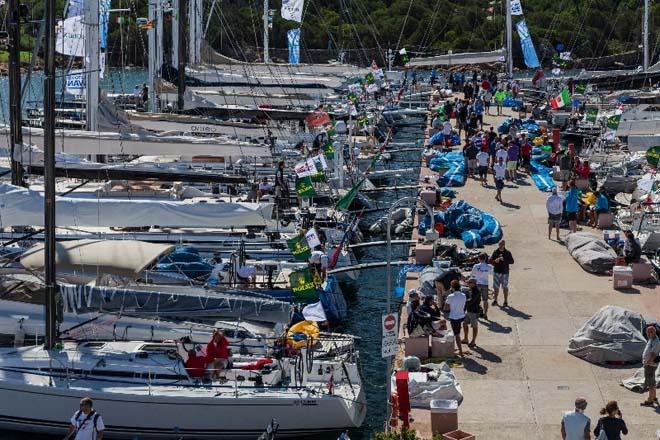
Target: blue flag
{"points": [[293, 36], [531, 60]]}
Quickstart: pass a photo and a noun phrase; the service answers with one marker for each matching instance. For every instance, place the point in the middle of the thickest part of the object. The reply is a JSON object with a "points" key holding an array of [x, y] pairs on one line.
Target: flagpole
{"points": [[266, 57], [509, 41], [645, 32]]}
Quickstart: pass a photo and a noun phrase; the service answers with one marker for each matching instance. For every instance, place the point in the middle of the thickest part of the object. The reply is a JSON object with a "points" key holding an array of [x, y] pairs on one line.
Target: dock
{"points": [[519, 380]]}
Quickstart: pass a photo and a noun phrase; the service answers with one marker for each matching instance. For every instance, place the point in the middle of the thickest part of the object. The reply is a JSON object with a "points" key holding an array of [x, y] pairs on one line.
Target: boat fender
{"points": [[394, 411]]}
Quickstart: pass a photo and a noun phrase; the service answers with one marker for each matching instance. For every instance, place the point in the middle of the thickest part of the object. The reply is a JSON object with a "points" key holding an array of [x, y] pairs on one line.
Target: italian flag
{"points": [[563, 100]]}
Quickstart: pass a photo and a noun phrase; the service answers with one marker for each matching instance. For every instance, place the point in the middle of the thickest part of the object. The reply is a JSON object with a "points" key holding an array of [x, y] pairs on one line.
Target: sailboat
{"points": [[143, 388]]}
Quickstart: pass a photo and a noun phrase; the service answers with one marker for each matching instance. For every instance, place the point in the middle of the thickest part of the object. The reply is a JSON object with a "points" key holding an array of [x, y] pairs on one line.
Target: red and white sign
{"points": [[390, 327]]}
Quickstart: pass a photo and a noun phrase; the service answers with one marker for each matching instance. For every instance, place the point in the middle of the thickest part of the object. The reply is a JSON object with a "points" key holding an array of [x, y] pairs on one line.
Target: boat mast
{"points": [[645, 32], [509, 41], [154, 6], [181, 67], [266, 57], [15, 123], [49, 175], [92, 63]]}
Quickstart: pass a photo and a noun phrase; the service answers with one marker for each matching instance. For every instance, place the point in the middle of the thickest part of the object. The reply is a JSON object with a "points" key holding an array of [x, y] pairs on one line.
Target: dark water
{"points": [[367, 306]]}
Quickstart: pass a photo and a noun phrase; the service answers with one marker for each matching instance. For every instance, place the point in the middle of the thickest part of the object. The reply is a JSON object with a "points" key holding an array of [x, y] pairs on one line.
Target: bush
{"points": [[404, 434]]}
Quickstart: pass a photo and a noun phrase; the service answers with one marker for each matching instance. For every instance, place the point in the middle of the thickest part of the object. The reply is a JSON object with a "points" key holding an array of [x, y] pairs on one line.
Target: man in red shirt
{"points": [[217, 353], [196, 364], [526, 153]]}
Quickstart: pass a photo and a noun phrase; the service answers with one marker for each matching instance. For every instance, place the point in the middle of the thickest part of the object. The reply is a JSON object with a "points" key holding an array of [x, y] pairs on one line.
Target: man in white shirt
{"points": [[480, 272], [86, 424], [575, 425], [555, 206], [455, 303], [501, 153], [482, 160], [650, 362], [446, 132], [500, 174]]}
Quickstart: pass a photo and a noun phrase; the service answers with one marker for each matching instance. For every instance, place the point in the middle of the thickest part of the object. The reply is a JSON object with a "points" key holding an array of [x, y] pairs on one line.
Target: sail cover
{"points": [[126, 258], [24, 207]]}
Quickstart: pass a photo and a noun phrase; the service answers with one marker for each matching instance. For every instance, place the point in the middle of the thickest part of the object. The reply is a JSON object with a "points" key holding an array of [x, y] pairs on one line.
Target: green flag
{"points": [[318, 177], [500, 95], [329, 150], [346, 201], [331, 130], [653, 156], [372, 165], [299, 248], [304, 187], [592, 114], [369, 78], [613, 122], [580, 88], [302, 284]]}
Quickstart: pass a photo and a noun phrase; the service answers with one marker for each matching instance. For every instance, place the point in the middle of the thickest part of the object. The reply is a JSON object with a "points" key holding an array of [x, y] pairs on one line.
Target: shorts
{"points": [[472, 319], [472, 164], [564, 175], [221, 361], [512, 165], [483, 290], [554, 219], [526, 161], [500, 280], [456, 326], [483, 170], [571, 216], [499, 184], [649, 376]]}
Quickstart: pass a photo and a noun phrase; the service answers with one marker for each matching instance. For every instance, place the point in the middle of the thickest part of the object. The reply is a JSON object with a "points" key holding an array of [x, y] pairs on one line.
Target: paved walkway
{"points": [[520, 379]]}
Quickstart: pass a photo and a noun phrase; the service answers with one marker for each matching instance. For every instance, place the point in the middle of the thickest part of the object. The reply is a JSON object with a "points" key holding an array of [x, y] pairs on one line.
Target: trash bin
{"points": [[444, 416]]}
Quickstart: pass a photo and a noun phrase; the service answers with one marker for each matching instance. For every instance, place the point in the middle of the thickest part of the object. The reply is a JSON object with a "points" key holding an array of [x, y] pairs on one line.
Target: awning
{"points": [[457, 59], [125, 258]]}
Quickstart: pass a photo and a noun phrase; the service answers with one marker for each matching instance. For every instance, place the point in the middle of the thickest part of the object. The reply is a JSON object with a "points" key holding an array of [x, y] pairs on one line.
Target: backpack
{"points": [[93, 414]]}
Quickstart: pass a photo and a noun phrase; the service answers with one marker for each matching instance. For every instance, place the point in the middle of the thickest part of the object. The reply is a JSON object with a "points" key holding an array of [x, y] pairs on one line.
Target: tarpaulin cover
{"points": [[636, 381], [592, 253], [446, 192], [541, 175], [439, 383], [191, 269], [459, 218], [436, 139], [613, 334], [427, 277], [454, 162]]}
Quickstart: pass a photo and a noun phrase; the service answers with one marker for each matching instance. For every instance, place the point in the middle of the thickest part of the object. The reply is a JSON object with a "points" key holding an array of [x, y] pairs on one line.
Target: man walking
{"points": [[455, 305], [572, 205], [482, 162], [555, 206], [501, 260], [575, 425], [86, 424], [472, 312], [480, 273], [650, 361], [500, 174]]}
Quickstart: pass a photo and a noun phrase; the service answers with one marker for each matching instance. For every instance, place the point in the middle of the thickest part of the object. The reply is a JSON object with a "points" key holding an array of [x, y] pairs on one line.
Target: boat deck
{"points": [[520, 379]]}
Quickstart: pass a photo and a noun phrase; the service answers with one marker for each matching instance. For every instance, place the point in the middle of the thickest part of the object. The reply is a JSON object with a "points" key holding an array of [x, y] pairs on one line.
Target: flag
{"points": [[580, 88], [527, 46], [292, 10], [317, 118], [121, 19], [563, 100], [346, 201], [302, 284], [537, 76], [369, 78], [566, 56], [75, 82], [613, 122], [314, 312], [516, 7], [329, 150], [304, 187], [312, 239], [293, 39], [299, 248], [592, 114], [70, 37]]}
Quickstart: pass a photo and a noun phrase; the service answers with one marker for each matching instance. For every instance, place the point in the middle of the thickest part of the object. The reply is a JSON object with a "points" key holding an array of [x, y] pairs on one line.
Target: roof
{"points": [[126, 258]]}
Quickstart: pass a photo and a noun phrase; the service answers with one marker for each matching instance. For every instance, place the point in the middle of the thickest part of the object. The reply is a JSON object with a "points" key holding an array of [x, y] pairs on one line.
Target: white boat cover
{"points": [[592, 253], [125, 258], [24, 207], [456, 59], [613, 334]]}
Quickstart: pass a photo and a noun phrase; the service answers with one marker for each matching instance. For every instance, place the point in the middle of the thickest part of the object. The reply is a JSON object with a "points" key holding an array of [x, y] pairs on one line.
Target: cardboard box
{"points": [[622, 277], [643, 270], [605, 220], [429, 196], [444, 416], [418, 346], [442, 347], [424, 253]]}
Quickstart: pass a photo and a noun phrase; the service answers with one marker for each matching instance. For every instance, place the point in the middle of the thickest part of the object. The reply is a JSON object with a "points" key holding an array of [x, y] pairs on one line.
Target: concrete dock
{"points": [[519, 380]]}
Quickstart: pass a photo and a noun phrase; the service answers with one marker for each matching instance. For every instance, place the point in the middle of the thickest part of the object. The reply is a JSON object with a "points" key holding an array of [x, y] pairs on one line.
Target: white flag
{"points": [[516, 7], [312, 239], [70, 37], [566, 56], [292, 10], [75, 82], [314, 312]]}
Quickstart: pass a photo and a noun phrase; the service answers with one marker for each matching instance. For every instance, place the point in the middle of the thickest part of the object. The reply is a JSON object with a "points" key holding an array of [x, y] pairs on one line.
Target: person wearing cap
{"points": [[555, 206], [650, 361], [472, 307], [413, 300], [246, 275], [575, 425]]}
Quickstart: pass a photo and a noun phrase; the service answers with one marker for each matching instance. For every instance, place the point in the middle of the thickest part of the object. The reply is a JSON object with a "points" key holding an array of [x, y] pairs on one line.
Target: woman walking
{"points": [[612, 423]]}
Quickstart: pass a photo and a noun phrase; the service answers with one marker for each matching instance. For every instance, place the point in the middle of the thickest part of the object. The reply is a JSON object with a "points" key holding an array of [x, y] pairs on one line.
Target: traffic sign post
{"points": [[390, 328]]}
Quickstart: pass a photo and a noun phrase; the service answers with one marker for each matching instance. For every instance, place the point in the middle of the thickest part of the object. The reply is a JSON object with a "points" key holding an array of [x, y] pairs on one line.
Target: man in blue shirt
{"points": [[572, 205], [479, 110], [602, 206]]}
